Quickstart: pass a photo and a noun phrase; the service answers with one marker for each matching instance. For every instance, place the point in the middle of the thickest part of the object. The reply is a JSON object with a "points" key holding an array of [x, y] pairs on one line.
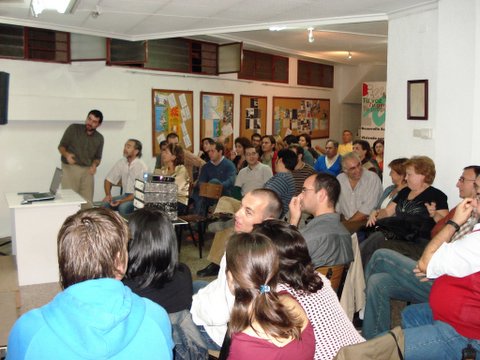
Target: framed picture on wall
{"points": [[417, 100], [253, 115], [172, 111], [301, 115], [216, 117]]}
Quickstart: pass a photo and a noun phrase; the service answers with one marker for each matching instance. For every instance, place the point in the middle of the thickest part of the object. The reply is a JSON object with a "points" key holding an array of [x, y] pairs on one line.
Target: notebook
{"points": [[57, 179]]}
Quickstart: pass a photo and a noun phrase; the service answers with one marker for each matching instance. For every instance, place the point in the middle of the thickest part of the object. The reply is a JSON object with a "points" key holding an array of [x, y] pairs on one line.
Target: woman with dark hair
{"points": [[238, 155], [263, 324], [377, 148], [173, 158], [207, 143], [408, 219], [268, 154], [363, 150], [312, 290], [305, 141], [154, 272]]}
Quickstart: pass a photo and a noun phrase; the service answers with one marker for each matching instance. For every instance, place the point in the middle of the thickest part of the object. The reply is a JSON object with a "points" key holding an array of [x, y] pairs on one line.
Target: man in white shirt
{"points": [[124, 172], [212, 304]]}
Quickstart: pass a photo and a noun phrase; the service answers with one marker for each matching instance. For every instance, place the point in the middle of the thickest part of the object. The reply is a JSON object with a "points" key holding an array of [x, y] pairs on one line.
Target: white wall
{"points": [[441, 45], [55, 95]]}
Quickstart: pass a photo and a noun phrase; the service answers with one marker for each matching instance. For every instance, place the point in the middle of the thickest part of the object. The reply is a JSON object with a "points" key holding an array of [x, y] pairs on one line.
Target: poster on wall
{"points": [[253, 115], [217, 117], [172, 112], [297, 116], [373, 111]]}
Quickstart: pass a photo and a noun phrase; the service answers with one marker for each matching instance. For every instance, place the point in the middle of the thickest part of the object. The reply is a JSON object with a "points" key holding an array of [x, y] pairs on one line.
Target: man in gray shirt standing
{"points": [[81, 148], [329, 242]]}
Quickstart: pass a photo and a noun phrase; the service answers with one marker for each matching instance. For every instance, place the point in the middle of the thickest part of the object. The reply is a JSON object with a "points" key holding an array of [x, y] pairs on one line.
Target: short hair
{"points": [[290, 139], [152, 250], [349, 156], [271, 138], [98, 114], [256, 135], [251, 146], [296, 267], [274, 207], [242, 141], [331, 186], [163, 143], [219, 147], [289, 158], [423, 165], [172, 135], [209, 139], [298, 149], [378, 141], [252, 262], [365, 146], [398, 165], [177, 151], [91, 244], [137, 145], [475, 168], [308, 139], [346, 130], [334, 142]]}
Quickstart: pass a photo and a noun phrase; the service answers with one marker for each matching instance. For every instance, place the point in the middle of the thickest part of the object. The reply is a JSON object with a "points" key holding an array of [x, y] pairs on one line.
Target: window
{"points": [[264, 67], [315, 74], [11, 41]]}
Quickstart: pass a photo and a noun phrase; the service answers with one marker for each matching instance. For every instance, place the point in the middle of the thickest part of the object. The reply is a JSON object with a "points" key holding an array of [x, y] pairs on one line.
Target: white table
{"points": [[34, 234]]}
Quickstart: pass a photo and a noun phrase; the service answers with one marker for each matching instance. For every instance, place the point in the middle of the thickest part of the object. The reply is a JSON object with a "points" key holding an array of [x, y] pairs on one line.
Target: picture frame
{"points": [[216, 117], [172, 111], [301, 115], [253, 115], [417, 99]]}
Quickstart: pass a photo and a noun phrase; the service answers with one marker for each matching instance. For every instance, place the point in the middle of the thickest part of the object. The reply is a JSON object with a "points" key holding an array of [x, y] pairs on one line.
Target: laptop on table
{"points": [[57, 179]]}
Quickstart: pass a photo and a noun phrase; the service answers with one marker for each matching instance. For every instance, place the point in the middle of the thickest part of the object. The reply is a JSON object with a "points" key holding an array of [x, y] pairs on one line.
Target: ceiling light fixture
{"points": [[349, 56], [277, 28], [310, 35], [62, 6]]}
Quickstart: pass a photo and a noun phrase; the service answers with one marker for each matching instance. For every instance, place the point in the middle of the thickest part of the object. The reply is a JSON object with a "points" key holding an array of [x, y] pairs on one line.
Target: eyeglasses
{"points": [[304, 190], [251, 153], [462, 179]]}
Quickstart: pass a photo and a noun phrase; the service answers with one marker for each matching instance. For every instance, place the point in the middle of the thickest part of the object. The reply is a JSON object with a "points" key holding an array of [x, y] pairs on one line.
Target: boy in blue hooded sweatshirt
{"points": [[95, 316]]}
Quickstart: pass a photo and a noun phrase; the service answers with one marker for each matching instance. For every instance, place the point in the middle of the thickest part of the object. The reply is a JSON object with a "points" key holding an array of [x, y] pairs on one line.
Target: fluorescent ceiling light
{"points": [[61, 6], [277, 28]]}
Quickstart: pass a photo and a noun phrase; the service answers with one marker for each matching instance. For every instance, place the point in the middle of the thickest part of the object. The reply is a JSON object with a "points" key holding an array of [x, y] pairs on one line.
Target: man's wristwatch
{"points": [[454, 224]]}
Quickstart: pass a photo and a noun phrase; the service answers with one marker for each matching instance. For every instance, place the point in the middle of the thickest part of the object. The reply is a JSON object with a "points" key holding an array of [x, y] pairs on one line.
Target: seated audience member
{"points": [[158, 162], [305, 141], [282, 182], [256, 139], [450, 322], [95, 316], [347, 145], [377, 148], [173, 160], [360, 191], [289, 140], [268, 155], [331, 162], [263, 324], [219, 170], [154, 273], [389, 274], [328, 241], [212, 304], [207, 143], [312, 290], [238, 155], [191, 160], [364, 152], [408, 220], [302, 170], [124, 172]]}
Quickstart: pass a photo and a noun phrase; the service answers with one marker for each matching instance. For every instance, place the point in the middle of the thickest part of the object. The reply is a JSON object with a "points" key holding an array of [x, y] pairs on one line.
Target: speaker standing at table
{"points": [[81, 149]]}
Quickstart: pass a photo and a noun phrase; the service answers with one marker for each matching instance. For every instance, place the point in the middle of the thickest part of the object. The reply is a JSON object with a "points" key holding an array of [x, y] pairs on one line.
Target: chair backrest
{"points": [[211, 191], [336, 274]]}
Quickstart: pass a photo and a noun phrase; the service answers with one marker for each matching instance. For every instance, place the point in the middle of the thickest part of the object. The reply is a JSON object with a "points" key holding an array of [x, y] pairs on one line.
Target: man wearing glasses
{"points": [[360, 192], [329, 242]]}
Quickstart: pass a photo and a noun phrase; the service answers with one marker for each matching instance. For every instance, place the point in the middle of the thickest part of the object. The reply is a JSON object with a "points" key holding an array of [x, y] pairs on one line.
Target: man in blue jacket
{"points": [[95, 316]]}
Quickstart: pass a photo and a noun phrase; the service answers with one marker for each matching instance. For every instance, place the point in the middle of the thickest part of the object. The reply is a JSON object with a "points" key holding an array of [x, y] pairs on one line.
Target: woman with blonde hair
{"points": [[263, 324]]}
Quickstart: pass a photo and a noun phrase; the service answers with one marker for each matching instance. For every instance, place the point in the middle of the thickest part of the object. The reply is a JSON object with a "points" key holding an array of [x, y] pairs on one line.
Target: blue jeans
{"points": [[426, 338], [388, 276], [124, 208], [198, 284]]}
